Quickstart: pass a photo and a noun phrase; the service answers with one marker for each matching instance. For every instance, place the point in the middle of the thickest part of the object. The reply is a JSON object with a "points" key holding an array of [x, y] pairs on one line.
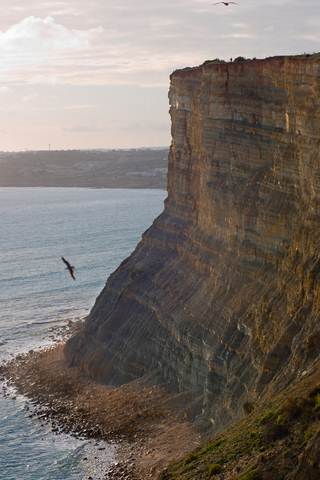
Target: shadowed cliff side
{"points": [[222, 295]]}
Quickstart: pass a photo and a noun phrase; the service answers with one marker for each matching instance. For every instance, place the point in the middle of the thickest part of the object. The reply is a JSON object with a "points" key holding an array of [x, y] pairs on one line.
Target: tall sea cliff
{"points": [[221, 298]]}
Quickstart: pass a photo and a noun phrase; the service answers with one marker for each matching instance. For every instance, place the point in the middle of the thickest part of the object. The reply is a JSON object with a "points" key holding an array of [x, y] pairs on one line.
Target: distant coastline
{"points": [[125, 168]]}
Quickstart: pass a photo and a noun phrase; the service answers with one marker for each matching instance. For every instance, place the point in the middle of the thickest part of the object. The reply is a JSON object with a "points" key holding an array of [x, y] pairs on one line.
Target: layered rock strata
{"points": [[221, 297]]}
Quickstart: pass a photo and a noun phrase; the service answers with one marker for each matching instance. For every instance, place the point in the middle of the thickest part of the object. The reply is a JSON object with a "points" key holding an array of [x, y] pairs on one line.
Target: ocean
{"points": [[95, 229]]}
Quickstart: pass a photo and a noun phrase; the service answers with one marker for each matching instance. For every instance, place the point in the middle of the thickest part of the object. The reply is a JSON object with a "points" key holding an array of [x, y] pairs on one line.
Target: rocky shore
{"points": [[144, 422]]}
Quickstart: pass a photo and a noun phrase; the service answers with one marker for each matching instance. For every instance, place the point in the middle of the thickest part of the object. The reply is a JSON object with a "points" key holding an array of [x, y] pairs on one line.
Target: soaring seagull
{"points": [[69, 267], [226, 4]]}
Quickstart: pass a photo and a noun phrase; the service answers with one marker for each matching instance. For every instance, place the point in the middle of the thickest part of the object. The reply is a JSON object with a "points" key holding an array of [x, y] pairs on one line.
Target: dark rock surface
{"points": [[222, 296]]}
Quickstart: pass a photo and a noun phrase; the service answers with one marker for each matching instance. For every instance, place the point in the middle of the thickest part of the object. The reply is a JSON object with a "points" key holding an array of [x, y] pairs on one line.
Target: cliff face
{"points": [[222, 295]]}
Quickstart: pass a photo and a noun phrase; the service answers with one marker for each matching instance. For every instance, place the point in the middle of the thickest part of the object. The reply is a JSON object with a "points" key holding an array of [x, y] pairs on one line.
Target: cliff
{"points": [[221, 297]]}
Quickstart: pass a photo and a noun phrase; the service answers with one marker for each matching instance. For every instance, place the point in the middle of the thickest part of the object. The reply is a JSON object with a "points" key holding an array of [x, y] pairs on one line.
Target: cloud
{"points": [[97, 57], [83, 129], [36, 35], [77, 42], [36, 45], [239, 35], [31, 97], [124, 126], [4, 89], [83, 106]]}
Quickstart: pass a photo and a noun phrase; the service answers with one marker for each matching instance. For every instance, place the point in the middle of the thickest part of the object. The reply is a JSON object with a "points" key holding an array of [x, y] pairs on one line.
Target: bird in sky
{"points": [[70, 267], [226, 4]]}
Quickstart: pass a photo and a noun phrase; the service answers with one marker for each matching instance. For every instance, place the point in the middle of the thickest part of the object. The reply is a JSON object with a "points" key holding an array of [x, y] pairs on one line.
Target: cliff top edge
{"points": [[240, 62]]}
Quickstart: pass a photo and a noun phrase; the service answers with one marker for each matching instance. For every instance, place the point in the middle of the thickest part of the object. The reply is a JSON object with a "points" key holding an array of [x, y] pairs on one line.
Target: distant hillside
{"points": [[135, 168]]}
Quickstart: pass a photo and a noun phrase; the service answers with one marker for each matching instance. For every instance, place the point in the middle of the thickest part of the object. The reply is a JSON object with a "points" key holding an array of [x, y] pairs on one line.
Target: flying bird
{"points": [[226, 4], [71, 268]]}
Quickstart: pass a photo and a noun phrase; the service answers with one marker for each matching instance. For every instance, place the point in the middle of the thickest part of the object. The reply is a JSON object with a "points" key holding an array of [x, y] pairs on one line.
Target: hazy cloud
{"points": [[83, 129], [34, 34], [31, 97], [5, 89], [36, 42], [141, 42], [127, 49]]}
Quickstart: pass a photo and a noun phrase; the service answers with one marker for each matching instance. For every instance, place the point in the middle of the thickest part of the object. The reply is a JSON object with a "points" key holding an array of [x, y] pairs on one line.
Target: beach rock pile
{"points": [[122, 471], [134, 417]]}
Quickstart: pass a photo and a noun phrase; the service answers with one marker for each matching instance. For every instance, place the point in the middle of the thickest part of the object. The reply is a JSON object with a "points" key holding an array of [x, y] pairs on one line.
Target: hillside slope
{"points": [[132, 168], [279, 440]]}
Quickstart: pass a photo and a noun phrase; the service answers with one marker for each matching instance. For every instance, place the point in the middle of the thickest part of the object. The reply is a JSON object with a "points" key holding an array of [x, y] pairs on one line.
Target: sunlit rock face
{"points": [[222, 295]]}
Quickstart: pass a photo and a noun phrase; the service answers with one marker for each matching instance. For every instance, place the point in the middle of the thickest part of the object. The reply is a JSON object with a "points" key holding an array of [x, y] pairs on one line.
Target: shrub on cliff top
{"points": [[215, 61], [240, 59]]}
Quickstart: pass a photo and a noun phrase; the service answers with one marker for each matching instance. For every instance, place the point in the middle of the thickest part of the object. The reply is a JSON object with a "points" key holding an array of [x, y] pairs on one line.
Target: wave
{"points": [[59, 320]]}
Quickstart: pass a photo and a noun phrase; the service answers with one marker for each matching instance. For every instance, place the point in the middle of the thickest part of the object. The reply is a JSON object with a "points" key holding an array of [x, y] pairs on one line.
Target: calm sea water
{"points": [[95, 230]]}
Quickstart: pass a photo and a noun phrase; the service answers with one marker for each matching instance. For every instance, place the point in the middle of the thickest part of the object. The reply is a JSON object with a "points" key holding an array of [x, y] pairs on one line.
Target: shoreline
{"points": [[143, 421]]}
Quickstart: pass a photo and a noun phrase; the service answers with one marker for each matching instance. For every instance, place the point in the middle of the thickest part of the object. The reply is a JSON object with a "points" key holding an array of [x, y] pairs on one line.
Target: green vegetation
{"points": [[251, 474], [190, 458], [214, 468], [215, 60], [240, 59], [311, 432], [317, 402], [278, 430]]}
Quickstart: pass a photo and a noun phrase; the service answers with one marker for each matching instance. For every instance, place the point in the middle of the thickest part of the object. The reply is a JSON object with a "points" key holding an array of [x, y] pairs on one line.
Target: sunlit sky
{"points": [[95, 73]]}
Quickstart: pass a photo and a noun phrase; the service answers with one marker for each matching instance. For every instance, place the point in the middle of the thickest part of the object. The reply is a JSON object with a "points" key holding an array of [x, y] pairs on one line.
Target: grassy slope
{"points": [[277, 440]]}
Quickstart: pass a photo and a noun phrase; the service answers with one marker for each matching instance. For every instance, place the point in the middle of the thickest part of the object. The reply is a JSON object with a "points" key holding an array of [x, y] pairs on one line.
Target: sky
{"points": [[89, 74]]}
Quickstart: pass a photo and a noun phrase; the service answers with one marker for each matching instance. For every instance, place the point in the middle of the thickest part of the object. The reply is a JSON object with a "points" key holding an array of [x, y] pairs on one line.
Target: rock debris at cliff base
{"points": [[278, 439], [145, 422]]}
